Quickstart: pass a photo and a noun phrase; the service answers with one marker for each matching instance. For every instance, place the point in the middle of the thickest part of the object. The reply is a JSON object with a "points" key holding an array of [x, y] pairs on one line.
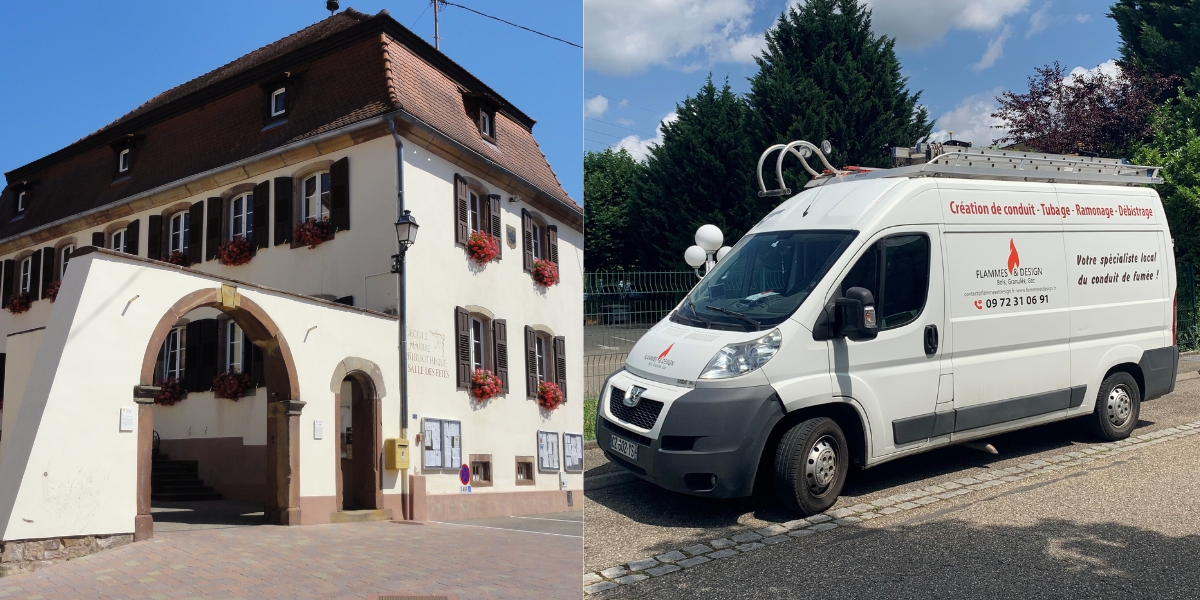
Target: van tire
{"points": [[1118, 406], [811, 462]]}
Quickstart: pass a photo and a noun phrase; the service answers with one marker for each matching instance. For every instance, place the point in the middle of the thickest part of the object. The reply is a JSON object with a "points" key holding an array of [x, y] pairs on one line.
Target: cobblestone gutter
{"points": [[23, 556], [753, 539]]}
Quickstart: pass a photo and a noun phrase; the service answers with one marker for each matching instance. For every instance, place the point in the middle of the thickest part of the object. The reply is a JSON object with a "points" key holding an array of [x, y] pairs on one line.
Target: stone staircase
{"points": [[177, 481]]}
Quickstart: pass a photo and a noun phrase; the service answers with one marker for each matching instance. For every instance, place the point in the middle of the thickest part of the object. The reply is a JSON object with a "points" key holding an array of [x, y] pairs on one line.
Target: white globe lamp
{"points": [[722, 252], [709, 238], [694, 256]]}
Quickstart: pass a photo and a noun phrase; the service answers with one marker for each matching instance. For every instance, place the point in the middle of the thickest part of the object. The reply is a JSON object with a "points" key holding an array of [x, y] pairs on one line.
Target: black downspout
{"points": [[402, 311]]}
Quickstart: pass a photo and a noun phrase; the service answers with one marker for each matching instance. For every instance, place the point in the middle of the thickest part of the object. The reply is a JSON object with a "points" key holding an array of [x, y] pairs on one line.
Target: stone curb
{"points": [[751, 540]]}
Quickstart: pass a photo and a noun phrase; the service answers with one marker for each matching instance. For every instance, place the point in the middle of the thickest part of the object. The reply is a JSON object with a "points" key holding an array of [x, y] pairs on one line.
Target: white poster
{"points": [[452, 442], [433, 444], [547, 451], [573, 452], [128, 420]]}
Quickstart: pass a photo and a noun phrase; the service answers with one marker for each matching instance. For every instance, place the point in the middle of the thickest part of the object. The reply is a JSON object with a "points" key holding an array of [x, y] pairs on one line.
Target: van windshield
{"points": [[763, 279]]}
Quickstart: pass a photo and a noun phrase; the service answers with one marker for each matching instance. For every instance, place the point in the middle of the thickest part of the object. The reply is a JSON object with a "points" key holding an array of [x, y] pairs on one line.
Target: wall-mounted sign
{"points": [[442, 444], [427, 353], [464, 474], [318, 430], [511, 236], [573, 452], [128, 419], [547, 451]]}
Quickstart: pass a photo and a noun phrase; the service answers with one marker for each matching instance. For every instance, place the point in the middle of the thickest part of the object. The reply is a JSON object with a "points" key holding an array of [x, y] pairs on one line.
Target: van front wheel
{"points": [[1117, 407], [810, 466]]}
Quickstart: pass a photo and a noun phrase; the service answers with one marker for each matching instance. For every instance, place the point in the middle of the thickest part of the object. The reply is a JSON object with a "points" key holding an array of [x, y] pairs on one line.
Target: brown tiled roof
{"points": [[430, 95]]}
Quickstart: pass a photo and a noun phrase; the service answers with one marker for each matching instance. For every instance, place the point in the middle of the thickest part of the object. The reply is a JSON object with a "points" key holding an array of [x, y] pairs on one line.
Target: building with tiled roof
{"points": [[277, 178]]}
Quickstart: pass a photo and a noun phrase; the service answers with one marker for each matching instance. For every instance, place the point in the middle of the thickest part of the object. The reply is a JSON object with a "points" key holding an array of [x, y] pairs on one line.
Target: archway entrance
{"points": [[283, 406], [360, 484]]}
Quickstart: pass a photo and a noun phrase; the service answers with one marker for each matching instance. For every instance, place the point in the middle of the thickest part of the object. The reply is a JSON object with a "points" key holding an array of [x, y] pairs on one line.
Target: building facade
{"points": [[279, 176]]}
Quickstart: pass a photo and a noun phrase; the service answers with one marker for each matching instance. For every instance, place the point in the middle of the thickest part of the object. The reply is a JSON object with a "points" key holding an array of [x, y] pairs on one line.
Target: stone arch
{"points": [[283, 406], [365, 470]]}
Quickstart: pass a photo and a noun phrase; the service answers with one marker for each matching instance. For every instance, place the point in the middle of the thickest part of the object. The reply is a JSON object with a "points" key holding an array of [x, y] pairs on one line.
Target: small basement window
{"points": [[525, 470], [123, 161], [278, 102], [481, 470]]}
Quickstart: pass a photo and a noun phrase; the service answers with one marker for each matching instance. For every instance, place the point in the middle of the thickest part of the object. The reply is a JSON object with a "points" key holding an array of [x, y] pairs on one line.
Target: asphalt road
{"points": [[1117, 523]]}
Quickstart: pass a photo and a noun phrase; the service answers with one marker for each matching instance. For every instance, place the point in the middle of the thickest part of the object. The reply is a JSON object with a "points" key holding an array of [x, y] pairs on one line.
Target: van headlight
{"points": [[739, 359]]}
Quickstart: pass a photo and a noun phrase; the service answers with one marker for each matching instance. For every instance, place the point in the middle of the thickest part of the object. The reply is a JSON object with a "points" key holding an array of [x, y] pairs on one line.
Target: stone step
{"points": [[361, 516]]}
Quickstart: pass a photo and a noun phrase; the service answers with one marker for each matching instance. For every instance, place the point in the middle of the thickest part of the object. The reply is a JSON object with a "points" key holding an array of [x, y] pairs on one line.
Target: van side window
{"points": [[905, 280], [901, 288]]}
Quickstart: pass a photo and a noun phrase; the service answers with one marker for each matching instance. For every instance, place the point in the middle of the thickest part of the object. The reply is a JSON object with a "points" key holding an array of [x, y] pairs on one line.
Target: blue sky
{"points": [[961, 55], [69, 68]]}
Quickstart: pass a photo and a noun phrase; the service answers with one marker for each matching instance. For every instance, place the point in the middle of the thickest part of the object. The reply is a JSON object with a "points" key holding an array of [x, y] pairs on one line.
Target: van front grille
{"points": [[644, 415]]}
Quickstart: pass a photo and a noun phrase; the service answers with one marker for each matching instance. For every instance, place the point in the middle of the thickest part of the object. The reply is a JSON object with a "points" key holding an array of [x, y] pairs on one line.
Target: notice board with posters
{"points": [[441, 444], [573, 452], [547, 451]]}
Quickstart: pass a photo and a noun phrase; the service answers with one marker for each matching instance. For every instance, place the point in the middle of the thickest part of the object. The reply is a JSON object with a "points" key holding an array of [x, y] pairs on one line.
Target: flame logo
{"points": [[1014, 260], [664, 352]]}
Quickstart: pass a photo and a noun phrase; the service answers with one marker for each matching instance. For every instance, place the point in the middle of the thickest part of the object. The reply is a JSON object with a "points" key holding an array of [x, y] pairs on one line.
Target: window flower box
{"points": [[549, 396], [232, 385], [19, 303], [482, 248], [170, 392], [545, 273], [485, 385], [313, 232], [234, 251], [177, 258], [52, 290]]}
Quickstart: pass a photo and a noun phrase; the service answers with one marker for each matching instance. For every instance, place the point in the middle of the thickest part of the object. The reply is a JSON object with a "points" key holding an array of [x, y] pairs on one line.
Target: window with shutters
{"points": [[481, 342], [540, 239], [475, 211], [172, 358], [315, 203], [477, 345], [234, 343], [241, 216], [118, 240], [540, 356], [545, 360], [177, 232], [64, 256], [24, 283]]}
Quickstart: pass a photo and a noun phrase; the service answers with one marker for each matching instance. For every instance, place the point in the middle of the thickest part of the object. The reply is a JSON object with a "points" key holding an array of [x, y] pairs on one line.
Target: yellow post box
{"points": [[395, 454]]}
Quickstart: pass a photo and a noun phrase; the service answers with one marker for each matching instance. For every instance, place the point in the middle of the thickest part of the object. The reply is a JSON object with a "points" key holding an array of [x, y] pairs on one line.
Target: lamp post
{"points": [[406, 235], [708, 249]]}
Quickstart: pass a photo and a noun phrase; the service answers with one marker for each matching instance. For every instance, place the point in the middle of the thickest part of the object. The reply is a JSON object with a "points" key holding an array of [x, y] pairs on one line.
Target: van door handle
{"points": [[931, 340]]}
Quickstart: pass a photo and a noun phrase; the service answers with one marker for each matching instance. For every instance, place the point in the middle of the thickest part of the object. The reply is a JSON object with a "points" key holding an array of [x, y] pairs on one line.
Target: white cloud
{"points": [[623, 103], [995, 50], [918, 23], [1109, 68], [623, 122], [625, 37], [972, 120], [595, 107], [1082, 18], [640, 148], [1039, 21]]}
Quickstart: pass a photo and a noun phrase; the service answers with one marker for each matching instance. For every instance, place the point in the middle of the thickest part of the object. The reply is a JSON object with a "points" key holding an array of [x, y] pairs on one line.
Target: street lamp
{"points": [[708, 249], [406, 235]]}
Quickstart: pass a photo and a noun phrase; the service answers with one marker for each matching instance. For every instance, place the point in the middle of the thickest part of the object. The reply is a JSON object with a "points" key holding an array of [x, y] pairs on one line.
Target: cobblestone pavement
{"points": [[638, 522], [348, 560]]}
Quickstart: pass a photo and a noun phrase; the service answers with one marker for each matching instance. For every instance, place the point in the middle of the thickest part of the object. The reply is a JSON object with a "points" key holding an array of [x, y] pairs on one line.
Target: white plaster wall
{"points": [[67, 470], [18, 369]]}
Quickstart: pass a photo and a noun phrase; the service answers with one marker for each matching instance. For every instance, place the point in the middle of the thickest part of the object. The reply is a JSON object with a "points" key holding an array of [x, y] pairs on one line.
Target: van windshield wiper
{"points": [[756, 324], [705, 322]]}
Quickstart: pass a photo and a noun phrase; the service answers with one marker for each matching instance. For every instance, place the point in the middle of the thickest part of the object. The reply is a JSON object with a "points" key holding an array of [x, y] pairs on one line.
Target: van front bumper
{"points": [[709, 443]]}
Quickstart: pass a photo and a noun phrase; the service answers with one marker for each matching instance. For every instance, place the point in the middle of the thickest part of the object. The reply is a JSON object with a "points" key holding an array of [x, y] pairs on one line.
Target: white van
{"points": [[881, 314]]}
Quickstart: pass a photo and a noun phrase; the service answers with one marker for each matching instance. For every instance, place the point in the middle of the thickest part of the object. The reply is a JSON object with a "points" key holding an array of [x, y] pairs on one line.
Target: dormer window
{"points": [[21, 202], [278, 102], [487, 123], [125, 152], [123, 161]]}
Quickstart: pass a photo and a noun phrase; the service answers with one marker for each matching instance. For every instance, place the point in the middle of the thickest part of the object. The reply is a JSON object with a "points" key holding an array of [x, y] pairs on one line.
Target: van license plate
{"points": [[623, 447]]}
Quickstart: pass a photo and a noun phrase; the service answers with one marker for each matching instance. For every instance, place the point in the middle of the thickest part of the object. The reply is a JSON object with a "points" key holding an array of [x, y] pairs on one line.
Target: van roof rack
{"points": [[937, 160]]}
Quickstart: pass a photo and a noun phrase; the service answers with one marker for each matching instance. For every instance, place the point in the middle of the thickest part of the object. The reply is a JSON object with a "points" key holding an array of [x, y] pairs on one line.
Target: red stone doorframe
{"points": [[283, 408]]}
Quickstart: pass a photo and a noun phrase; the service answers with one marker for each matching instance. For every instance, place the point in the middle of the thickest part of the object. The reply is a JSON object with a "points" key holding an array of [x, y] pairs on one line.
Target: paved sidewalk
{"points": [[348, 560]]}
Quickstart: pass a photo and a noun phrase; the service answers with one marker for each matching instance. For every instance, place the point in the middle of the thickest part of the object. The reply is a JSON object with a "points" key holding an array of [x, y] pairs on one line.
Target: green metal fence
{"points": [[1187, 326], [618, 307]]}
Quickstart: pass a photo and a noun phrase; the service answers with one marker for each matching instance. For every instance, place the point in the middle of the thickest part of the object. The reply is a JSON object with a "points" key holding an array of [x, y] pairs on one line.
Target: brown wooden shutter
{"points": [[35, 272], [196, 233], [9, 268], [212, 235], [283, 210], [154, 237], [131, 236], [65, 257], [262, 215], [462, 346], [500, 351], [47, 268], [531, 375], [560, 364], [98, 239], [339, 195], [192, 348], [494, 212], [552, 243], [527, 239], [462, 227]]}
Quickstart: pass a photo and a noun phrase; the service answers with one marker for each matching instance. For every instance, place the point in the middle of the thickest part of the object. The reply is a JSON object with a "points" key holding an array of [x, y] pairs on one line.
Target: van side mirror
{"points": [[855, 317]]}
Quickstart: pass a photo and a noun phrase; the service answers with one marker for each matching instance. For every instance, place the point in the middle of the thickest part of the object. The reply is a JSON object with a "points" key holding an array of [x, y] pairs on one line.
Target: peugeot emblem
{"points": [[633, 395]]}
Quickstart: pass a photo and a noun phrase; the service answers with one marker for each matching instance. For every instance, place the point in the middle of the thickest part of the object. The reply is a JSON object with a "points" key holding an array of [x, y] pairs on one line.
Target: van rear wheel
{"points": [[810, 466], [1117, 407]]}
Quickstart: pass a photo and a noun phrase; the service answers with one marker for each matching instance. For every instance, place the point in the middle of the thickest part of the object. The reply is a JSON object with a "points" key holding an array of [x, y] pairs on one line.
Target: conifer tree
{"points": [[610, 180], [825, 76]]}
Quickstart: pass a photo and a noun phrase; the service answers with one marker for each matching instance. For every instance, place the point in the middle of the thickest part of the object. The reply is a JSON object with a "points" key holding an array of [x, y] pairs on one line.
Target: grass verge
{"points": [[589, 418]]}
